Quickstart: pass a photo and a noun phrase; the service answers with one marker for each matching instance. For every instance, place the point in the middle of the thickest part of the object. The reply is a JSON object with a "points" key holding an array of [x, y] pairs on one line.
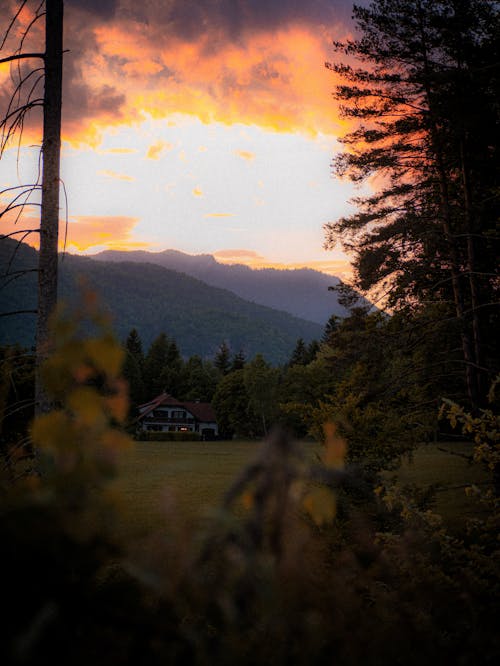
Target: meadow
{"points": [[158, 480]]}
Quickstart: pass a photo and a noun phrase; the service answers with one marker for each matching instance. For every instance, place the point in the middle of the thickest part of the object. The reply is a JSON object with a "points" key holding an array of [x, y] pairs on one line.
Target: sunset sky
{"points": [[207, 126]]}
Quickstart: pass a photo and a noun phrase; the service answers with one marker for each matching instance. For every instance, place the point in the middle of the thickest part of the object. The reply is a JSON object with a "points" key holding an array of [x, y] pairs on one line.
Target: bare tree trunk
{"points": [[49, 222], [458, 291], [471, 267]]}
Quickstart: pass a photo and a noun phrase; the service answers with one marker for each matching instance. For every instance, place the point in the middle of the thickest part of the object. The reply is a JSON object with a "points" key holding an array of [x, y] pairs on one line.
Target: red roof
{"points": [[202, 411]]}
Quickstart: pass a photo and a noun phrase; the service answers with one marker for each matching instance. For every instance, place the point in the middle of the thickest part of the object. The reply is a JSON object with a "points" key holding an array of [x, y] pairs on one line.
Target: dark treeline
{"points": [[419, 87]]}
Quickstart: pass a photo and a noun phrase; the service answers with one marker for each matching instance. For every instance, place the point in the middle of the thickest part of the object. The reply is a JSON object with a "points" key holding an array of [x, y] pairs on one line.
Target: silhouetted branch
{"points": [[17, 312], [11, 24], [20, 231], [21, 56]]}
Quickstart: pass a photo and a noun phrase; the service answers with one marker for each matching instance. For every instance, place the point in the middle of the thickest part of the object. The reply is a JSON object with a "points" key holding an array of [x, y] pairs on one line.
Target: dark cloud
{"points": [[230, 19], [234, 17], [104, 9], [81, 101]]}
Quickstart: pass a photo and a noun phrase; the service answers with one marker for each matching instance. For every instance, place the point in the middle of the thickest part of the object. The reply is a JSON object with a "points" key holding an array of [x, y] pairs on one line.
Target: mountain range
{"points": [[155, 299], [301, 292]]}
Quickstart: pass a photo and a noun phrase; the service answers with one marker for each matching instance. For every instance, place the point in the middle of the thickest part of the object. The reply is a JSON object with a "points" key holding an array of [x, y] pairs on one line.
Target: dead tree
{"points": [[22, 101]]}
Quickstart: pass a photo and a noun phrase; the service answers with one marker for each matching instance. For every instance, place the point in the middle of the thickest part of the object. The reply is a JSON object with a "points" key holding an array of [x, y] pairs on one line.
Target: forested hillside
{"points": [[301, 292], [153, 300]]}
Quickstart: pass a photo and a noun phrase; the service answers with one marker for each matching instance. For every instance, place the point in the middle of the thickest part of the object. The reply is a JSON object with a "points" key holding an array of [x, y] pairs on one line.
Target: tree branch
{"points": [[16, 312], [22, 56]]}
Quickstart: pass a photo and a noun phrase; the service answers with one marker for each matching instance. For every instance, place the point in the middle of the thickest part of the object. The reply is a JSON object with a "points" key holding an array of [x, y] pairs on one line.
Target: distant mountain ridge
{"points": [[153, 299], [302, 292]]}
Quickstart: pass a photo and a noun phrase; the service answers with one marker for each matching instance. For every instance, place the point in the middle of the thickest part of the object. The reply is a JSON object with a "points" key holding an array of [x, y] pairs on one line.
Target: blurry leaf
{"points": [[105, 354], [335, 446], [82, 373], [86, 404], [320, 504], [49, 430], [116, 441], [247, 500], [118, 403]]}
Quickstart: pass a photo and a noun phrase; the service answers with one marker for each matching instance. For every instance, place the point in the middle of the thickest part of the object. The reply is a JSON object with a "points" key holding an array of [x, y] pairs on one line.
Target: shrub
{"points": [[152, 436]]}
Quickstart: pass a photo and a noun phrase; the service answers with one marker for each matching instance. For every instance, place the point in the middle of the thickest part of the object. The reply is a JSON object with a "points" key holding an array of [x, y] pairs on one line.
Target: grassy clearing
{"points": [[158, 480], [446, 469]]}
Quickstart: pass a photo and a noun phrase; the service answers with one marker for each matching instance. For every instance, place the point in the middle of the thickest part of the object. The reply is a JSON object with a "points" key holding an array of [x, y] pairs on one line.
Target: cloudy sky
{"points": [[201, 125]]}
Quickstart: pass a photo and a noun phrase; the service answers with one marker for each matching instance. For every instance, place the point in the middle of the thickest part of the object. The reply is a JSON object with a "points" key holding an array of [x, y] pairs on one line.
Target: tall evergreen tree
{"points": [[154, 365], [424, 93], [133, 345], [312, 350], [133, 369], [222, 359], [200, 379], [299, 355], [239, 361], [330, 327]]}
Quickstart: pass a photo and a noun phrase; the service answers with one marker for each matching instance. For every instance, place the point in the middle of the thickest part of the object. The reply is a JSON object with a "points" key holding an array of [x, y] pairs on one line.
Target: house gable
{"points": [[167, 414]]}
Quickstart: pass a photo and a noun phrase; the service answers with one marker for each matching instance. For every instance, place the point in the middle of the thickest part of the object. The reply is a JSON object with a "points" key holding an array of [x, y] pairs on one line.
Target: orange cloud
{"points": [[219, 215], [197, 192], [156, 149], [338, 267], [120, 151], [265, 67], [83, 232], [227, 255], [117, 176], [245, 154], [276, 80], [113, 232]]}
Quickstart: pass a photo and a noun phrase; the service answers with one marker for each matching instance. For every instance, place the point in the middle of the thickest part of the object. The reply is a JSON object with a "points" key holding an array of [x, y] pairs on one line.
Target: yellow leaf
{"points": [[106, 355], [116, 441], [320, 504], [247, 499], [50, 431], [118, 403], [335, 446], [86, 405]]}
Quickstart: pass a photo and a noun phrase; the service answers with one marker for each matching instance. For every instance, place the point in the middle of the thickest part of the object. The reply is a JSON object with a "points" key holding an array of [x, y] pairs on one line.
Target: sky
{"points": [[207, 126]]}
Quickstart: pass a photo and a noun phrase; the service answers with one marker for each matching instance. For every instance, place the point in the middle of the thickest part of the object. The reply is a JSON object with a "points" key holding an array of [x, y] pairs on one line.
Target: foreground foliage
{"points": [[301, 564]]}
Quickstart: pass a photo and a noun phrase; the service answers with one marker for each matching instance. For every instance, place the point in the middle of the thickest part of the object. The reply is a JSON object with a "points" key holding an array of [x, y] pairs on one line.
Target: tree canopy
{"points": [[419, 87]]}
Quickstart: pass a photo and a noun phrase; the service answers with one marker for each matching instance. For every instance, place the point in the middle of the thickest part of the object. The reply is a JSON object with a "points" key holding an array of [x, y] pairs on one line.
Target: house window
{"points": [[178, 415]]}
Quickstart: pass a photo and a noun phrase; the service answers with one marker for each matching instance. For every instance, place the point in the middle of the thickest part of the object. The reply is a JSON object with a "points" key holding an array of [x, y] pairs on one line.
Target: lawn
{"points": [[187, 477], [446, 468], [157, 480]]}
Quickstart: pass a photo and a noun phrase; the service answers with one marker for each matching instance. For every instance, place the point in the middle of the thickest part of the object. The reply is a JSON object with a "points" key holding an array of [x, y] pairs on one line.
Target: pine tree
{"points": [[312, 351], [154, 365], [239, 361], [133, 369], [222, 359], [424, 100], [299, 355], [330, 327]]}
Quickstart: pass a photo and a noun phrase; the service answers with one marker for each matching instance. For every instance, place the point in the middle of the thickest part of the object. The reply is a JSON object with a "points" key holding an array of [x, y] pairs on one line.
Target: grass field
{"points": [[161, 479], [193, 476], [445, 467]]}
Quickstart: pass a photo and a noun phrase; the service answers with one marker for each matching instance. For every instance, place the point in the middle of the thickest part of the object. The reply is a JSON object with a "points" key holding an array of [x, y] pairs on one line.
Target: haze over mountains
{"points": [[301, 292], [156, 299]]}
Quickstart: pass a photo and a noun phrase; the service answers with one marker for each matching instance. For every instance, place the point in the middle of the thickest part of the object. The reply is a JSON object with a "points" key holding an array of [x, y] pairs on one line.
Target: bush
{"points": [[151, 436]]}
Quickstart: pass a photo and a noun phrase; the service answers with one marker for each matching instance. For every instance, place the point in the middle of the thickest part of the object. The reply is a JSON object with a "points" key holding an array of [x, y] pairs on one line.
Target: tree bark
{"points": [[458, 291], [49, 221]]}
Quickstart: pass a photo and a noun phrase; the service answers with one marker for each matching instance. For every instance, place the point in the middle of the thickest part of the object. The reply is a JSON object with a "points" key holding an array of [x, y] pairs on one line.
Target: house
{"points": [[167, 414]]}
